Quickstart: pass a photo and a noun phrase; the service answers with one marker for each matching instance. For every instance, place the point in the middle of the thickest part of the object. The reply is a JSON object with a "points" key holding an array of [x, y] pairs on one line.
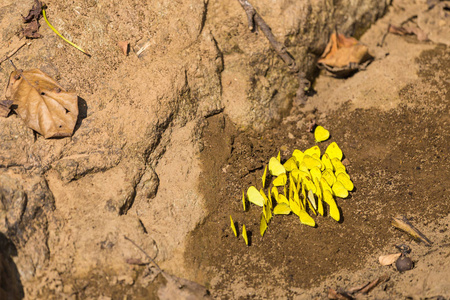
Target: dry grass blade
{"points": [[402, 223]]}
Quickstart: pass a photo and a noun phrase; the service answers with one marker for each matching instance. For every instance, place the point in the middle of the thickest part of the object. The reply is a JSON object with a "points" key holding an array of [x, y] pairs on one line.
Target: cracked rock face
{"points": [[131, 167]]}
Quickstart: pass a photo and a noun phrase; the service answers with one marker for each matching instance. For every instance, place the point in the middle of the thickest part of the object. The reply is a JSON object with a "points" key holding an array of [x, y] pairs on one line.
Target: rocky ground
{"points": [[170, 135]]}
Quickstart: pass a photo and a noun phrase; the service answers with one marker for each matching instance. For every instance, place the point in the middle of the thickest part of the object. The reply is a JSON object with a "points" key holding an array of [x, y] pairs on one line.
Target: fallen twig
{"points": [[8, 56], [374, 283], [145, 253], [361, 289], [254, 21]]}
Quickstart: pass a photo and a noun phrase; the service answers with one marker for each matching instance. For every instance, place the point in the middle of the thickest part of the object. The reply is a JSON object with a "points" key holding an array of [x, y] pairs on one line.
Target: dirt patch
{"points": [[399, 164]]}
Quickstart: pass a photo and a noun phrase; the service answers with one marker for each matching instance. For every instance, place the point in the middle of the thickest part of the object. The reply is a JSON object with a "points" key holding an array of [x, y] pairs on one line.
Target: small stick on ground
{"points": [[145, 253], [254, 21], [374, 283], [8, 56]]}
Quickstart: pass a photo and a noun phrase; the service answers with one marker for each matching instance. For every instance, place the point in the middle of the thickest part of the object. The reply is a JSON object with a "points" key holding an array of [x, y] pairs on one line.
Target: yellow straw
{"points": [[56, 31]]}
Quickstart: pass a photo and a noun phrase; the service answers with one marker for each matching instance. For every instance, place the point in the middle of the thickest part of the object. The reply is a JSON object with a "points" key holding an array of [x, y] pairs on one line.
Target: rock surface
{"points": [[132, 166]]}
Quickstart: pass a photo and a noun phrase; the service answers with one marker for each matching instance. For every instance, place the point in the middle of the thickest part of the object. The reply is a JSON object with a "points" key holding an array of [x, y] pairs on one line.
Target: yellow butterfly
{"points": [[261, 191], [254, 196], [344, 178], [274, 192], [280, 180], [244, 234], [267, 212], [282, 199], [243, 201], [264, 176], [313, 150], [275, 167], [295, 207], [334, 151], [311, 162], [263, 225], [319, 196], [337, 165], [315, 173], [290, 164], [326, 161], [334, 210], [299, 175], [269, 203], [298, 155], [312, 201], [339, 190], [232, 226], [309, 184], [329, 176], [302, 167], [321, 134], [306, 219], [325, 186], [291, 187], [282, 209]]}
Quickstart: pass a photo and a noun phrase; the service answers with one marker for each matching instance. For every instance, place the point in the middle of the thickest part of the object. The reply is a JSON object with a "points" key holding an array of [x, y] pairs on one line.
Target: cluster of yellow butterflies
{"points": [[307, 180]]}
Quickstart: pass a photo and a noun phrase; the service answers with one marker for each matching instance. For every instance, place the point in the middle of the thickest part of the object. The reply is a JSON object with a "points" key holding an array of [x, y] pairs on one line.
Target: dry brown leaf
{"points": [[32, 20], [343, 55], [124, 46], [42, 103], [389, 259]]}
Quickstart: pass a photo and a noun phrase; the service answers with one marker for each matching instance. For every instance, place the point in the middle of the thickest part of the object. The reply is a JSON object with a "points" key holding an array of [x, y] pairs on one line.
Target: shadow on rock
{"points": [[10, 286], [82, 113]]}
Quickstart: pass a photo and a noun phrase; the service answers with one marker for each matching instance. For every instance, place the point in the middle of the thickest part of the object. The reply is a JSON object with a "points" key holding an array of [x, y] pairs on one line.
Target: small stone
{"points": [[124, 46], [404, 263]]}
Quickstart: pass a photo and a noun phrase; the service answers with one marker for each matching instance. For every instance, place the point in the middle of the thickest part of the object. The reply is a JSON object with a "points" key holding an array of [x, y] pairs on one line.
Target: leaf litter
{"points": [[344, 55], [42, 103], [32, 20]]}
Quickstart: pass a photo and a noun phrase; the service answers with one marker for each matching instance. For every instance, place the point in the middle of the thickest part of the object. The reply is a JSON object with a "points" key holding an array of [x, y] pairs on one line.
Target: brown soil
{"points": [[399, 164]]}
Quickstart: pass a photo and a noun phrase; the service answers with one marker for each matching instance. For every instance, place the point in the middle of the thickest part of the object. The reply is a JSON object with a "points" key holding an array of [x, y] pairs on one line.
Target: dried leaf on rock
{"points": [[42, 103], [389, 259], [5, 108], [344, 55], [124, 47], [32, 21]]}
